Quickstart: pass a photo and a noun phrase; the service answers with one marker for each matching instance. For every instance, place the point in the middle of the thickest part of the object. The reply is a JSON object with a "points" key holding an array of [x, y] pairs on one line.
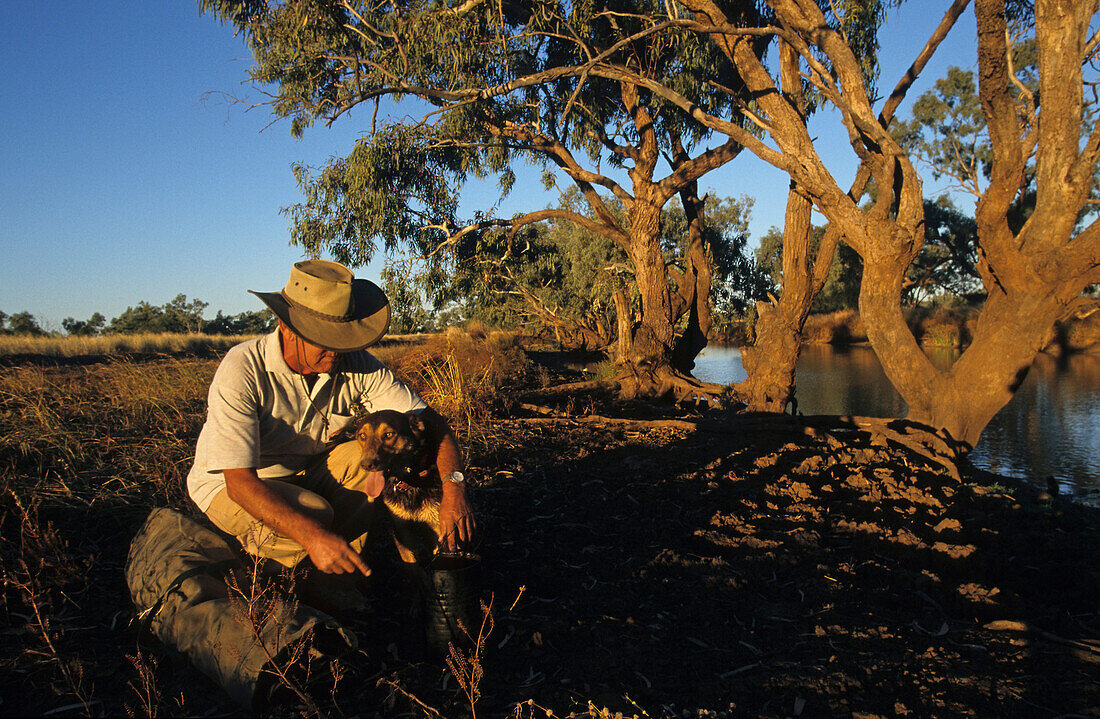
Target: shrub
{"points": [[941, 326], [841, 327]]}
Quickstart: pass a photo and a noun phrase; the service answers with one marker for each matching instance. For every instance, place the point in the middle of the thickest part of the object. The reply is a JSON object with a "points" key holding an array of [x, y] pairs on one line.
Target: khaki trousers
{"points": [[330, 490]]}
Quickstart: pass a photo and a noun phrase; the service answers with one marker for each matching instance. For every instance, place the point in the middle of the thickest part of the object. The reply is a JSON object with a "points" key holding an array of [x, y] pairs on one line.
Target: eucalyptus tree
{"points": [[554, 275], [495, 84], [1032, 272], [574, 283], [84, 328]]}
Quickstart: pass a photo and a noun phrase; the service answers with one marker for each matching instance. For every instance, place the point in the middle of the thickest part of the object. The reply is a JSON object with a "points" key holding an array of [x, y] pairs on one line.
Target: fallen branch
{"points": [[585, 386], [542, 409], [638, 424], [1089, 649]]}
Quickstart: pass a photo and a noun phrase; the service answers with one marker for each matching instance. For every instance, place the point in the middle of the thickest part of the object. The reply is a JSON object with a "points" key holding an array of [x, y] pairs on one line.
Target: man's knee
{"points": [[260, 540], [314, 506]]}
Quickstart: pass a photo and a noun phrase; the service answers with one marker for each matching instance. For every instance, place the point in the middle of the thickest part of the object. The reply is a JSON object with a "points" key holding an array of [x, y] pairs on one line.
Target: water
{"points": [[1050, 428]]}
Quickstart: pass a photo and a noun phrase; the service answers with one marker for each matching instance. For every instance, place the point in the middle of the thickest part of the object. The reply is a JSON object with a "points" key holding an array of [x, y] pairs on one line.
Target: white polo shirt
{"points": [[261, 414]]}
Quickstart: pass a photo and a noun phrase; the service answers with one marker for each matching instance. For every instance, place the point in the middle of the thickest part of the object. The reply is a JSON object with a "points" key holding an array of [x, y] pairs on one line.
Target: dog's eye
{"points": [[387, 435]]}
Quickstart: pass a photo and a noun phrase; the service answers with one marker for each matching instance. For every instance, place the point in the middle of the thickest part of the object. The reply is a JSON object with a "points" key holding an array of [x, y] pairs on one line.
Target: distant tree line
{"points": [[179, 316]]}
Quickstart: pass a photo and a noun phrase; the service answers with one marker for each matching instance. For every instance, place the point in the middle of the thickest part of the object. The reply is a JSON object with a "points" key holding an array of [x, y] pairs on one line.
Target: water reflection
{"points": [[1050, 428]]}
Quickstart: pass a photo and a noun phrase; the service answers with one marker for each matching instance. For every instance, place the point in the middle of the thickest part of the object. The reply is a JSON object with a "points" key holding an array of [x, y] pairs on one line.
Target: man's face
{"points": [[306, 358]]}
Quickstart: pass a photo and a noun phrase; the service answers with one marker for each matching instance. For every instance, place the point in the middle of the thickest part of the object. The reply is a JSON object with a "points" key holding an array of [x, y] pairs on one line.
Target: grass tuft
{"points": [[460, 375]]}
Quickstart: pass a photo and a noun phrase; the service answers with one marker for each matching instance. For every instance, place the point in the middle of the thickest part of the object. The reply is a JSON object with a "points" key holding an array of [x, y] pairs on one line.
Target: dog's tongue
{"points": [[374, 484]]}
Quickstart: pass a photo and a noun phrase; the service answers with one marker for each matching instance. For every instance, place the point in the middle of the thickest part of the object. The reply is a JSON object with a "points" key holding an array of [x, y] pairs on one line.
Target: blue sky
{"points": [[127, 173]]}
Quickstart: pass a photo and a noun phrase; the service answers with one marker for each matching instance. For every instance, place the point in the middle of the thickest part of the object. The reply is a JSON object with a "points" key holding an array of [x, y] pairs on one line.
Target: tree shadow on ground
{"points": [[773, 572]]}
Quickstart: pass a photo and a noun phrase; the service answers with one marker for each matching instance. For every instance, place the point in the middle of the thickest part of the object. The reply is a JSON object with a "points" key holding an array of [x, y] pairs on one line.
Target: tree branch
{"points": [[690, 170], [949, 19]]}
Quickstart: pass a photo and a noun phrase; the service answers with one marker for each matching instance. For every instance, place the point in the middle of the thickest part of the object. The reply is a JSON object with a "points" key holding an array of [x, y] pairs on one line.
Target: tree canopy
{"points": [[21, 323], [177, 315], [527, 82], [637, 102]]}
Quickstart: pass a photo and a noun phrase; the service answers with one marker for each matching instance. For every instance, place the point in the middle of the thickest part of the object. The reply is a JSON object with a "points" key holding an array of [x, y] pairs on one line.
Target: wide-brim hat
{"points": [[326, 306]]}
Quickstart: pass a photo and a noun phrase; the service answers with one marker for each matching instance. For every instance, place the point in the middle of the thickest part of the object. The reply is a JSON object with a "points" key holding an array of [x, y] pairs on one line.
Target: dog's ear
{"points": [[418, 425]]}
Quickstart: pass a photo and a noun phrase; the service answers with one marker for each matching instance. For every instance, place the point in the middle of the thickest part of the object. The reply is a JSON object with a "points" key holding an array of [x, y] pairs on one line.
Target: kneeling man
{"points": [[263, 472]]}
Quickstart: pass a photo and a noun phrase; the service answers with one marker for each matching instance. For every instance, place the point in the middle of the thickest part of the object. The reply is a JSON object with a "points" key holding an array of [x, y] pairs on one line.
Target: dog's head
{"points": [[391, 441]]}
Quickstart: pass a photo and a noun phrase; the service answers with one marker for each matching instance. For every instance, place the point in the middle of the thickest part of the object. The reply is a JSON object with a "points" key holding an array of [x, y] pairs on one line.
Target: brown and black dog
{"points": [[403, 447]]}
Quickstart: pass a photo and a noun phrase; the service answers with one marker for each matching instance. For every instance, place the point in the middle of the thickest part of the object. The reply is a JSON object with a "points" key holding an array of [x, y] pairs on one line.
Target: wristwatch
{"points": [[455, 478]]}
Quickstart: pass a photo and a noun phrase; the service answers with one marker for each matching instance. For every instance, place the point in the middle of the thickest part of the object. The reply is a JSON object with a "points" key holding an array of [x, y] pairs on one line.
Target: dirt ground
{"points": [[750, 567], [768, 572]]}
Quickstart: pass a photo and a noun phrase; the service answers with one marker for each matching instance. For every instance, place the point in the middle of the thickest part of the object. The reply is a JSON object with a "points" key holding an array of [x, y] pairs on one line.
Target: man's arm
{"points": [[328, 551], [456, 517]]}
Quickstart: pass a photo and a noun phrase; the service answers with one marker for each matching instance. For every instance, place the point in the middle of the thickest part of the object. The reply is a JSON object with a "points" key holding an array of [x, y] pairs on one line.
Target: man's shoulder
{"points": [[361, 362], [247, 351], [246, 358]]}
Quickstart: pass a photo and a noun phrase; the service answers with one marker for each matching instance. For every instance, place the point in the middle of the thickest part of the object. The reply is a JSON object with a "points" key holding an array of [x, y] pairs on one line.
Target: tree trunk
{"points": [[624, 319], [903, 360], [1010, 332], [652, 345], [770, 361], [694, 285]]}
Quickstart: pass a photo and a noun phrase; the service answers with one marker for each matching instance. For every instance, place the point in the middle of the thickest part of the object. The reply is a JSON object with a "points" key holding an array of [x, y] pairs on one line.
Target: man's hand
{"points": [[456, 518], [332, 555], [329, 552]]}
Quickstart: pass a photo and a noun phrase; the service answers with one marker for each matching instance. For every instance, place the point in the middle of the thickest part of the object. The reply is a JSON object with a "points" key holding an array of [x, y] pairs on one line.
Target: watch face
{"points": [[456, 477]]}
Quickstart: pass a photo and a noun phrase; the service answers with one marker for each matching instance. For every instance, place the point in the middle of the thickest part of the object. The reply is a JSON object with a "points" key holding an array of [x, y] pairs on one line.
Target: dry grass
{"points": [[137, 344], [85, 434], [85, 452], [460, 375]]}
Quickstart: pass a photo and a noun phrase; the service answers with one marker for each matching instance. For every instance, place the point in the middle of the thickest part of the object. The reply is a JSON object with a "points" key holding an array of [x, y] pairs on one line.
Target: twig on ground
{"points": [[75, 683], [398, 688]]}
